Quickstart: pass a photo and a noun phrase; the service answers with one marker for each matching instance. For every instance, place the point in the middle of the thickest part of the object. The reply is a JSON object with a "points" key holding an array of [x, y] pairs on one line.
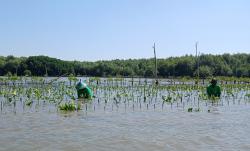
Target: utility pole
{"points": [[155, 61], [197, 62], [156, 80], [196, 49]]}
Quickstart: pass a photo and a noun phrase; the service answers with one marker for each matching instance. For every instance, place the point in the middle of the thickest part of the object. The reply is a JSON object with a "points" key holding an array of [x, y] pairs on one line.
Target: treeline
{"points": [[209, 65]]}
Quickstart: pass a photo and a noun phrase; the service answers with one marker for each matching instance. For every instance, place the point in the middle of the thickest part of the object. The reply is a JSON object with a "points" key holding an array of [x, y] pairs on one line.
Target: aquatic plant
{"points": [[118, 92], [69, 106], [190, 109], [167, 99]]}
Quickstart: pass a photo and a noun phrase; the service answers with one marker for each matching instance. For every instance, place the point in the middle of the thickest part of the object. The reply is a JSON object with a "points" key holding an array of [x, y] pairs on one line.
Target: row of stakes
{"points": [[126, 105]]}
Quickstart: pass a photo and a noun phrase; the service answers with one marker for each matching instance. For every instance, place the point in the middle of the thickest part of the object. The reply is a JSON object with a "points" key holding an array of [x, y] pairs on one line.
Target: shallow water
{"points": [[225, 128], [119, 118]]}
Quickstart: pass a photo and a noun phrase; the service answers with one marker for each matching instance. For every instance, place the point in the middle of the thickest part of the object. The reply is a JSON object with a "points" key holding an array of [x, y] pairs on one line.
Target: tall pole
{"points": [[197, 60], [155, 61], [196, 49]]}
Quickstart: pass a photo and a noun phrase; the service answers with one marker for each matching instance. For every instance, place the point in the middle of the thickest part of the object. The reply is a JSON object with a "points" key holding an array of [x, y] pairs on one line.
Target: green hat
{"points": [[81, 85]]}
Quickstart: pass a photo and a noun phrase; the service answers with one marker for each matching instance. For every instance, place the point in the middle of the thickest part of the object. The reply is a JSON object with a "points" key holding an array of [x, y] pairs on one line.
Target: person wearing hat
{"points": [[213, 89], [83, 91]]}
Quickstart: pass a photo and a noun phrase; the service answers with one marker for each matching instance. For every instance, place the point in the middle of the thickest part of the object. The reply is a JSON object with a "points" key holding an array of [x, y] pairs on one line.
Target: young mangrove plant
{"points": [[69, 106]]}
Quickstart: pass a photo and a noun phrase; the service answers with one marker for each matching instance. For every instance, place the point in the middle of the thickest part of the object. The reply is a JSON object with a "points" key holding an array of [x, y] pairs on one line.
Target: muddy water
{"points": [[224, 128]]}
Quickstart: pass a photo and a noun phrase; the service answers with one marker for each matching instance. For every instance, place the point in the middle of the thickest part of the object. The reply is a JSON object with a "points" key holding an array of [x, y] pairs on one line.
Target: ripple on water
{"points": [[223, 129]]}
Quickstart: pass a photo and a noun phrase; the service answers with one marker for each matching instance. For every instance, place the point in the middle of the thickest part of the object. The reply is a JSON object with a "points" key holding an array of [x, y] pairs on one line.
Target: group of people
{"points": [[83, 91]]}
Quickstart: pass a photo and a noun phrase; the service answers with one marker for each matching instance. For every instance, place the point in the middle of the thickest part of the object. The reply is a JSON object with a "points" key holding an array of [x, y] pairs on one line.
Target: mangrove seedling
{"points": [[70, 106], [190, 109]]}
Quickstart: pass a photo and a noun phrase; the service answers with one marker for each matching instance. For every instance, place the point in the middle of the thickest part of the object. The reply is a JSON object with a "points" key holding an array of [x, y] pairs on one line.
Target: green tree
{"points": [[204, 72], [27, 73]]}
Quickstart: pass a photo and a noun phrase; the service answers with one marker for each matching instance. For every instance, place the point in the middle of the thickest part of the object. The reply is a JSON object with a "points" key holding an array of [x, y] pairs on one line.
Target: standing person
{"points": [[213, 89], [83, 91]]}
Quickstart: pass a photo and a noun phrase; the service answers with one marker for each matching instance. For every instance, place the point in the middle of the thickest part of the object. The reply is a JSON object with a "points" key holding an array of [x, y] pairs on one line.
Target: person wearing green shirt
{"points": [[83, 91], [213, 89]]}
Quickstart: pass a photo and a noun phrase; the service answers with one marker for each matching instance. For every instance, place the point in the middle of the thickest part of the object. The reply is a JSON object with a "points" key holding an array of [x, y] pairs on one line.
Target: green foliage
{"points": [[248, 95], [72, 78], [190, 109], [119, 92], [8, 74], [29, 102], [27, 72], [216, 65], [167, 99], [69, 106], [204, 71]]}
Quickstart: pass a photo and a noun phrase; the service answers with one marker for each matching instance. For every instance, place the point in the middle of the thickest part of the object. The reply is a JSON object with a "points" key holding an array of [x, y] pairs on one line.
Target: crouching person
{"points": [[213, 89], [83, 91]]}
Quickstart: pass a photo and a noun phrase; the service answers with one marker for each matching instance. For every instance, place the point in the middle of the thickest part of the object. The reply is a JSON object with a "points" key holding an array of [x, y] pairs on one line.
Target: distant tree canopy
{"points": [[209, 65]]}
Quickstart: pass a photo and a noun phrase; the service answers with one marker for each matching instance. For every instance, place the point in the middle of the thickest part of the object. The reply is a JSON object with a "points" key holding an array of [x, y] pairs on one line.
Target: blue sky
{"points": [[121, 29]]}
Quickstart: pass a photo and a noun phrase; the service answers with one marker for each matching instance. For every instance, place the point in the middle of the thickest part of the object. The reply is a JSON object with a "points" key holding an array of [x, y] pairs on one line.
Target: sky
{"points": [[91, 30]]}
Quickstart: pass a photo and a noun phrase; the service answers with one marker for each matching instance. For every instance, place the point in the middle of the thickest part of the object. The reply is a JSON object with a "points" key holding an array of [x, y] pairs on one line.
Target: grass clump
{"points": [[190, 109], [69, 106]]}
